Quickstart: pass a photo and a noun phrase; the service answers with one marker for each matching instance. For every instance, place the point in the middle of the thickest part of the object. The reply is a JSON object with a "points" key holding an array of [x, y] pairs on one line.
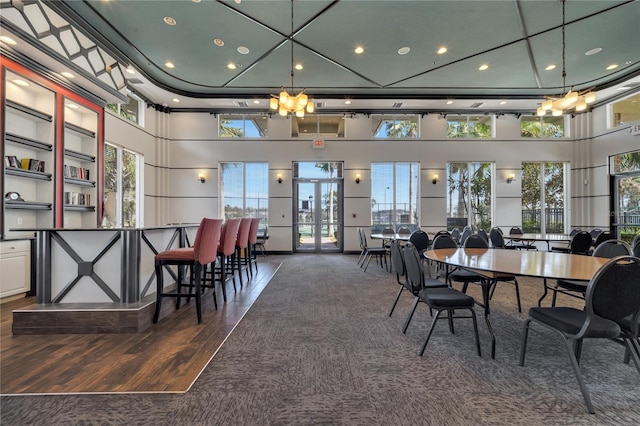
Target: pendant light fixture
{"points": [[288, 103], [571, 99]]}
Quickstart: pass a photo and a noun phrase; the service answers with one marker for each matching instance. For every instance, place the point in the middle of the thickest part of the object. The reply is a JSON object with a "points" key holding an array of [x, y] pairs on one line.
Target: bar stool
{"points": [[253, 240], [226, 251], [201, 254], [242, 246]]}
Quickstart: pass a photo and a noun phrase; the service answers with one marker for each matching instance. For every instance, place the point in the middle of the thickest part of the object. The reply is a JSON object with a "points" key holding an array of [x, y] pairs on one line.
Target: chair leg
{"points": [[576, 370], [544, 294], [525, 336], [408, 320], [396, 302], [633, 351], [159, 286], [433, 325], [198, 294], [517, 295], [223, 277], [213, 284], [475, 329], [553, 298]]}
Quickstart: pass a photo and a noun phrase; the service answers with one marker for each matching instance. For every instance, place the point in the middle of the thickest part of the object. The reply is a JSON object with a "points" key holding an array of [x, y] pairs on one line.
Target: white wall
{"points": [[179, 146]]}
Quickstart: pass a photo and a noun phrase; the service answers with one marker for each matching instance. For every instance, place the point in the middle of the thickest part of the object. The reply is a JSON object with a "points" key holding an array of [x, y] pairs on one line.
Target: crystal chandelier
{"points": [[572, 99], [287, 102]]}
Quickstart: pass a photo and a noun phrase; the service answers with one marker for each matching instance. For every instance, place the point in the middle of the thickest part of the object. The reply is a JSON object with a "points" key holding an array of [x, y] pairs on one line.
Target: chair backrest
{"points": [[635, 245], [614, 291], [497, 240], [253, 230], [228, 236], [580, 243], [465, 234], [612, 248], [441, 232], [420, 240], [404, 231], [413, 265], [516, 230], [242, 238], [207, 240], [595, 232], [475, 241], [455, 233], [388, 231], [444, 241], [397, 260], [604, 236], [483, 234], [574, 232]]}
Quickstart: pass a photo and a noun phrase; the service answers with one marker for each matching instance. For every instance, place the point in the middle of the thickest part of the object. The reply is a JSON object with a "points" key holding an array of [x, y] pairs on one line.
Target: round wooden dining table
{"points": [[493, 262]]}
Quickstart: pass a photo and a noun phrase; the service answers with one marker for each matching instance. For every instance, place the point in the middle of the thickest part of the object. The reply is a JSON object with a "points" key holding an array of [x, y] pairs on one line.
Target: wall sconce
{"points": [[435, 179], [358, 178], [201, 177], [279, 177], [510, 177]]}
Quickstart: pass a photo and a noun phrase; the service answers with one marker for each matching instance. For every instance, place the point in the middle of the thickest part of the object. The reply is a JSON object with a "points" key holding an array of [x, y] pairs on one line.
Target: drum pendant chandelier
{"points": [[572, 99], [286, 102]]}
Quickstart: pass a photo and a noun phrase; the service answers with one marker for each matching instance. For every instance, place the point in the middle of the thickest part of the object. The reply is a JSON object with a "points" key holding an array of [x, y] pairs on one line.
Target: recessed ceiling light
{"points": [[67, 74], [449, 102], [169, 65], [238, 1], [483, 67], [8, 40], [299, 67], [20, 82], [347, 102], [243, 50], [359, 50], [169, 20], [218, 42], [131, 70], [404, 50], [196, 1], [176, 100], [550, 67], [231, 66], [593, 51], [612, 67], [503, 102], [255, 101], [442, 50]]}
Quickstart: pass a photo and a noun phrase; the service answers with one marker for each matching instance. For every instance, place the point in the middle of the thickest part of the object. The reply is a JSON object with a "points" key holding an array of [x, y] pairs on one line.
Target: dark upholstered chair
{"points": [[197, 257], [253, 240], [417, 283], [483, 234], [635, 246], [420, 240], [574, 288], [242, 247], [565, 249], [497, 240], [438, 298], [368, 252], [612, 295], [226, 252]]}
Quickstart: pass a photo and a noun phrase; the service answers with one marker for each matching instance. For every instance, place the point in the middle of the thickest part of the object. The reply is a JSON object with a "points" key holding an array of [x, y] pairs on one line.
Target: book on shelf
{"points": [[32, 164], [77, 198], [76, 172]]}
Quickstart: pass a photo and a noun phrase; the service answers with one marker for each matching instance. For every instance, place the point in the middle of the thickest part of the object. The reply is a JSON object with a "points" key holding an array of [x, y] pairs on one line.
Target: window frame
{"points": [[244, 119], [467, 193], [395, 119], [118, 110], [245, 210], [393, 186], [543, 202], [470, 119], [541, 121]]}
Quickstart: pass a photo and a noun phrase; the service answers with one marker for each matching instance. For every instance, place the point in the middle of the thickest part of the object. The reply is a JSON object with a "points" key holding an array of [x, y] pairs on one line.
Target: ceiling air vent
{"points": [[398, 105], [477, 105], [320, 104], [134, 81], [242, 104]]}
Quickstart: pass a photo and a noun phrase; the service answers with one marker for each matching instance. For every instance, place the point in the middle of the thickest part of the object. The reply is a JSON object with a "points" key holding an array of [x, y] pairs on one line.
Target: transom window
{"points": [[624, 112], [395, 126], [313, 125], [243, 126], [542, 127], [132, 111], [470, 126]]}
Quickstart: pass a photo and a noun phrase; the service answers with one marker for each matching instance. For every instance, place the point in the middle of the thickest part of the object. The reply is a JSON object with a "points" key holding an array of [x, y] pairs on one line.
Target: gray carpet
{"points": [[318, 347]]}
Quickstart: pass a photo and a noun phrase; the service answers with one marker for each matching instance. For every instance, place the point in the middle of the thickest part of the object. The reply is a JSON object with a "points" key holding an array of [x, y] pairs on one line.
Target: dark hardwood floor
{"points": [[167, 357]]}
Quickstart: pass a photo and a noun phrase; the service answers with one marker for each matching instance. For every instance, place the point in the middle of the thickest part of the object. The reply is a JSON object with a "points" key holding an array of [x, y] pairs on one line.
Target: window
{"points": [[123, 190], [395, 195], [244, 191], [132, 111], [469, 195], [542, 127], [329, 126], [243, 126], [626, 169], [544, 198], [470, 126], [395, 127], [624, 111]]}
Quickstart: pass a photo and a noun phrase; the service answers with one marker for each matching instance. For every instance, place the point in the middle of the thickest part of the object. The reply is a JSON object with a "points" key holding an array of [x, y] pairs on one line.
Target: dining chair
{"points": [[202, 253], [612, 295], [226, 252], [242, 247], [465, 234], [404, 231], [577, 289], [397, 263], [380, 253], [253, 240], [497, 239], [483, 234], [420, 240], [565, 248], [518, 243], [477, 241], [443, 241], [602, 237], [635, 245], [439, 298], [261, 241]]}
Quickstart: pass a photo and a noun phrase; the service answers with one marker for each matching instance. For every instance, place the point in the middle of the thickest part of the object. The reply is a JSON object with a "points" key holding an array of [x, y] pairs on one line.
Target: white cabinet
{"points": [[15, 267]]}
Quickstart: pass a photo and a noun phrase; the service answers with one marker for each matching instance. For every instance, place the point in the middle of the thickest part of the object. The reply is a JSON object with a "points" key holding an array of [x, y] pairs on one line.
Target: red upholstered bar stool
{"points": [[201, 254], [253, 240], [226, 251], [242, 246]]}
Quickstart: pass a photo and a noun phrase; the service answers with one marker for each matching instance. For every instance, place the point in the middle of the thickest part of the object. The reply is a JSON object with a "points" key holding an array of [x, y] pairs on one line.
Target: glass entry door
{"points": [[318, 223]]}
